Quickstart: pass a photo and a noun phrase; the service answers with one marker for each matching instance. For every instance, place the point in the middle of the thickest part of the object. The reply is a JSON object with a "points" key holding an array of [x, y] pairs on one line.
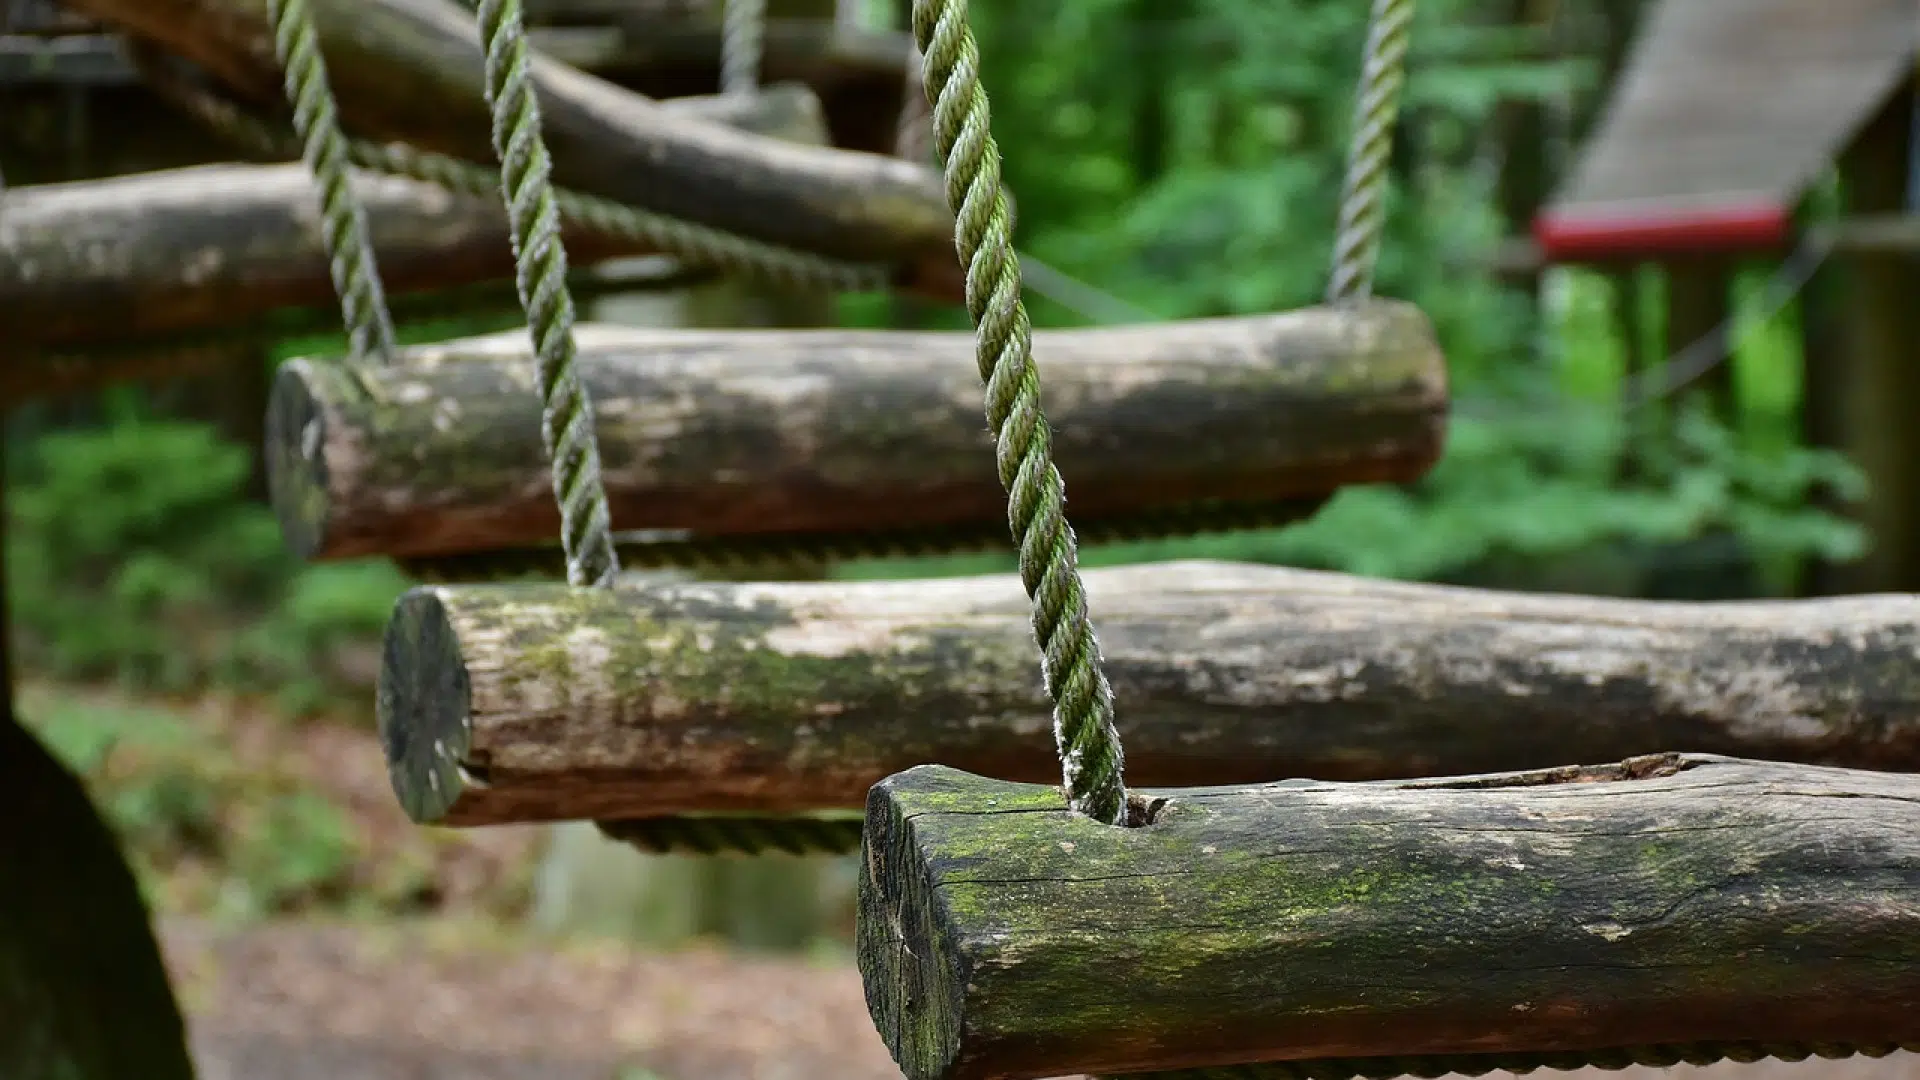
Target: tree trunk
{"points": [[1882, 379], [1668, 901], [537, 702]]}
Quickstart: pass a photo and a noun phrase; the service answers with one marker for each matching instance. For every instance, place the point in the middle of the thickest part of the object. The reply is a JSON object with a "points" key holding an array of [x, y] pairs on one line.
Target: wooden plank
{"points": [[532, 702], [1734, 103], [823, 431], [1676, 899], [412, 70]]}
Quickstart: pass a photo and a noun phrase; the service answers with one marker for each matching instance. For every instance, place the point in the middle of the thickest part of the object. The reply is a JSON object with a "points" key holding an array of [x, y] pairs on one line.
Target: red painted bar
{"points": [[1650, 231]]}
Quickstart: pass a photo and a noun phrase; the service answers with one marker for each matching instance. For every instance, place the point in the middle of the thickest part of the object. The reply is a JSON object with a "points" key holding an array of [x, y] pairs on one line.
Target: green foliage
{"points": [[182, 803], [132, 554], [1186, 155]]}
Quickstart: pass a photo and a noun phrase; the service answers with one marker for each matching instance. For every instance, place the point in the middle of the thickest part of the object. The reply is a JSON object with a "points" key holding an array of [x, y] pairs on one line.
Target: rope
{"points": [[745, 834], [697, 244], [1430, 1067], [363, 303], [1363, 204], [566, 422], [1084, 735], [742, 40]]}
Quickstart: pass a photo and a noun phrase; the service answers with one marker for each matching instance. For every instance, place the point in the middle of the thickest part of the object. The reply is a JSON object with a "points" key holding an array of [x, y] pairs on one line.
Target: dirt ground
{"points": [[326, 1002]]}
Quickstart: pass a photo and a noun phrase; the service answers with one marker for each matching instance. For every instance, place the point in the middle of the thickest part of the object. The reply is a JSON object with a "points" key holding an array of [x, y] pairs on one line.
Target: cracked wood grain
{"points": [[534, 702], [824, 431], [1669, 899]]}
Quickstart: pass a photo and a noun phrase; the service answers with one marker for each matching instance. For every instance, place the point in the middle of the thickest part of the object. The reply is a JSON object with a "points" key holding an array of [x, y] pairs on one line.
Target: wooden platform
{"points": [[1727, 111]]}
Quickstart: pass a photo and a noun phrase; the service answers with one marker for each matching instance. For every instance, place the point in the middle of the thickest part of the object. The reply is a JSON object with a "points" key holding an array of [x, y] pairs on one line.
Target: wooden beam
{"points": [[824, 431], [133, 257], [412, 70], [1677, 899], [531, 702]]}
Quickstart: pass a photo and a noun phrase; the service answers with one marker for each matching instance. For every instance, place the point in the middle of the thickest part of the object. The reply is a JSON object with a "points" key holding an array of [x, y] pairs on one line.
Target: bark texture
{"points": [[133, 257], [531, 702], [1672, 899], [833, 431], [412, 70]]}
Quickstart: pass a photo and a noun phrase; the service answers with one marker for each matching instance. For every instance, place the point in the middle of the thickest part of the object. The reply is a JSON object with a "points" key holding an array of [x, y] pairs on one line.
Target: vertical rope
{"points": [[586, 533], [1363, 207], [742, 39], [356, 279], [1084, 734]]}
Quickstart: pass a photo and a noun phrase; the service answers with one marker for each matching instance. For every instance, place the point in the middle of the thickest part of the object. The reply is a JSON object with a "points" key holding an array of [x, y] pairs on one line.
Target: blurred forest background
{"points": [[1179, 157]]}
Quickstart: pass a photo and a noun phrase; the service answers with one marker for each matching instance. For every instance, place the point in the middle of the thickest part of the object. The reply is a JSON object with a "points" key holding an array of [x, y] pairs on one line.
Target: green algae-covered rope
{"points": [[1431, 1067], [1084, 735], [1363, 196], [741, 834], [566, 423], [363, 303], [743, 31]]}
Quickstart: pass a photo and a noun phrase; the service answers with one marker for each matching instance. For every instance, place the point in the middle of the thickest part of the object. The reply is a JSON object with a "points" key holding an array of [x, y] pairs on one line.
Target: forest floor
{"points": [[314, 1002], [315, 933]]}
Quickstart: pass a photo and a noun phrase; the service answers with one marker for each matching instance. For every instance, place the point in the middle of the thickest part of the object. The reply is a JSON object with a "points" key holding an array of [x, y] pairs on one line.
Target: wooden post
{"points": [[1673, 899], [1882, 377]]}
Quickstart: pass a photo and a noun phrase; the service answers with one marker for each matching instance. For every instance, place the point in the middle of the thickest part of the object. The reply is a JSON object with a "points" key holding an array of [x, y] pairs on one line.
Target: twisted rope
{"points": [[742, 40], [1363, 203], [696, 244], [566, 421], [738, 552], [1430, 1067], [1084, 735], [743, 834], [363, 302]]}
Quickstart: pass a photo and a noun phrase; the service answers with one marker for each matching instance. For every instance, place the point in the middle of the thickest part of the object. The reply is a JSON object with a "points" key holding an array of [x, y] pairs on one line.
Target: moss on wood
{"points": [[1678, 899]]}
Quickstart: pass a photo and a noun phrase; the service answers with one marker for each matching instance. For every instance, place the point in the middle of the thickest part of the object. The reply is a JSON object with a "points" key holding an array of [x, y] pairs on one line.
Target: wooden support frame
{"points": [[412, 70], [507, 703], [1672, 899], [831, 431]]}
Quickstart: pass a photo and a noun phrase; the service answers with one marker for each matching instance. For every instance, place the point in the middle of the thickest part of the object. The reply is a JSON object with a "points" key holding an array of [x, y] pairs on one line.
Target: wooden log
{"points": [[412, 70], [859, 73], [132, 257], [530, 702], [1670, 899], [819, 431]]}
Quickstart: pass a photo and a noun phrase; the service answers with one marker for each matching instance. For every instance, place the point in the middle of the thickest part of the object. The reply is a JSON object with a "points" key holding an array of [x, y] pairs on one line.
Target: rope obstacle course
{"points": [[1004, 935]]}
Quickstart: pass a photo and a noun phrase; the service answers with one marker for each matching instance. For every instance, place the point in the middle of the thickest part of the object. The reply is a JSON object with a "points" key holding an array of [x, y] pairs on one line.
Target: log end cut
{"points": [[297, 474], [910, 969], [424, 705]]}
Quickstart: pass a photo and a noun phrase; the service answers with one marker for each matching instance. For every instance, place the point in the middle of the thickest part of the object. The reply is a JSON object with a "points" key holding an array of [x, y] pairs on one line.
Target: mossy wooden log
{"points": [[413, 70], [830, 431], [859, 72], [525, 702], [1672, 899], [133, 257]]}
